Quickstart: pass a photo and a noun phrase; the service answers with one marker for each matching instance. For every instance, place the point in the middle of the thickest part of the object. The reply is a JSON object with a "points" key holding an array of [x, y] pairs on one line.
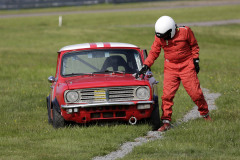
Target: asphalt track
{"points": [[164, 5]]}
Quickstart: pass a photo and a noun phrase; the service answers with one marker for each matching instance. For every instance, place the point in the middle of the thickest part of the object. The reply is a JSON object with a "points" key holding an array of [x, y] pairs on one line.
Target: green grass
{"points": [[28, 55]]}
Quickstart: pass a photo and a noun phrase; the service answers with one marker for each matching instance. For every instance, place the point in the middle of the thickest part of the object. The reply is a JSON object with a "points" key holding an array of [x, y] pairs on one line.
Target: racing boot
{"points": [[166, 126], [207, 117]]}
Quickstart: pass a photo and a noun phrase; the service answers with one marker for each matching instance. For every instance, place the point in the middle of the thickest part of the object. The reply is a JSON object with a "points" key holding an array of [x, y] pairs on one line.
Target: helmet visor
{"points": [[166, 35]]}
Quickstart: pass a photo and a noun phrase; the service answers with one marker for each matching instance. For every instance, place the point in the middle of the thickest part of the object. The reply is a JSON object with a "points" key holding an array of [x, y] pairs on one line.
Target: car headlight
{"points": [[72, 96], [142, 93]]}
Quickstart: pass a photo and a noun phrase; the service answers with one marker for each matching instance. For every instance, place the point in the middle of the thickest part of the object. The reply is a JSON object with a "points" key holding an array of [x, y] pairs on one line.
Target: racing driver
{"points": [[181, 53]]}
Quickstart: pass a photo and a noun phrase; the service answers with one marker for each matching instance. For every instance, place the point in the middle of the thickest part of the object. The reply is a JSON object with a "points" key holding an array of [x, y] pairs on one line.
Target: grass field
{"points": [[28, 49]]}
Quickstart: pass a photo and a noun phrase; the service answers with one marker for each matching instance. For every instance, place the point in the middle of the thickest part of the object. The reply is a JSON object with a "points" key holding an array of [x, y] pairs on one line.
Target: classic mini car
{"points": [[96, 82]]}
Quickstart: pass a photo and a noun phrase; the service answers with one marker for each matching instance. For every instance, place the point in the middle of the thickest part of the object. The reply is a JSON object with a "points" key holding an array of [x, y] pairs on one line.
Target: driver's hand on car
{"points": [[142, 71]]}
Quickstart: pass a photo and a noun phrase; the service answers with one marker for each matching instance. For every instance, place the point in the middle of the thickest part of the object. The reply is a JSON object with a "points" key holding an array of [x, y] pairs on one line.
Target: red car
{"points": [[96, 82]]}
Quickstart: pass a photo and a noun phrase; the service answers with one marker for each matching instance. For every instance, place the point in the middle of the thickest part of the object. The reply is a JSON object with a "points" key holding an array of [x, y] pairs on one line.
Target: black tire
{"points": [[155, 117], [58, 120], [50, 121]]}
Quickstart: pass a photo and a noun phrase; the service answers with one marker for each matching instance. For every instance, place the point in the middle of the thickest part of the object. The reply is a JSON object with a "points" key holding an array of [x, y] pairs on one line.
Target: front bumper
{"points": [[105, 104], [123, 111]]}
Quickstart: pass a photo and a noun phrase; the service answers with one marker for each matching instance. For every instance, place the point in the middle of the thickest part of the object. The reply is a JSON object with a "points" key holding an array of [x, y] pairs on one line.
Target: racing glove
{"points": [[196, 64], [142, 71]]}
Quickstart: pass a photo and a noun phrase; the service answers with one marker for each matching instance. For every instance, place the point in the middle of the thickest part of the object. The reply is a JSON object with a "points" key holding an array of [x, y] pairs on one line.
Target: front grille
{"points": [[107, 114], [120, 94], [110, 94], [99, 115], [93, 95], [107, 94]]}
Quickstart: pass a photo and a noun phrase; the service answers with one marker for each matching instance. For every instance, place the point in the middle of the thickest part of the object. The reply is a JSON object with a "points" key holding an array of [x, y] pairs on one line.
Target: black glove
{"points": [[142, 71], [196, 64]]}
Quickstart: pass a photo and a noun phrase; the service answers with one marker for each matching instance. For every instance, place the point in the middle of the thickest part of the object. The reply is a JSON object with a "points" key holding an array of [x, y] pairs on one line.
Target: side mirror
{"points": [[145, 54], [51, 79]]}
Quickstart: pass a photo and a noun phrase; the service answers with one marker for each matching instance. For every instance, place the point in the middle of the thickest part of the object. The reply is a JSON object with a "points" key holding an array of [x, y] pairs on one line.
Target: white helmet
{"points": [[165, 27]]}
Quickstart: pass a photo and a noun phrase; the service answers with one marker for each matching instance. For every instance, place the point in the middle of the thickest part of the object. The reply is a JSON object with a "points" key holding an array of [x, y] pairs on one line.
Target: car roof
{"points": [[97, 45]]}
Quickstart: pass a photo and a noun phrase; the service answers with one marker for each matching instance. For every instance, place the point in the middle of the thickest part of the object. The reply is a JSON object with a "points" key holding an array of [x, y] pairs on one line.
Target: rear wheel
{"points": [[58, 120]]}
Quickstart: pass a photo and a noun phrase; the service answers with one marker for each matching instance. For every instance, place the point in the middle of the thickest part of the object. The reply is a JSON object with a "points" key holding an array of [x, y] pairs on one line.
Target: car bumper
{"points": [[105, 104], [123, 111]]}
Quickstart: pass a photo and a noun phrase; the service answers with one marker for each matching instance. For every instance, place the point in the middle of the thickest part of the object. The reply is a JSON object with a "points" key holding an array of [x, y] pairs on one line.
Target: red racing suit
{"points": [[179, 53]]}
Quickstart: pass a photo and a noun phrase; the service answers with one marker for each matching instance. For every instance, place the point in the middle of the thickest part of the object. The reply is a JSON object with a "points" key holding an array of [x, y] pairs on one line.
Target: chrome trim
{"points": [[145, 102], [98, 105], [51, 79], [105, 104], [148, 90], [112, 94], [134, 120]]}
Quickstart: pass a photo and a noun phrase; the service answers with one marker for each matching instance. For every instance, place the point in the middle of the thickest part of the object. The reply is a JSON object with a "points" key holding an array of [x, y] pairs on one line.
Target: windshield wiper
{"points": [[107, 71], [102, 72], [121, 72]]}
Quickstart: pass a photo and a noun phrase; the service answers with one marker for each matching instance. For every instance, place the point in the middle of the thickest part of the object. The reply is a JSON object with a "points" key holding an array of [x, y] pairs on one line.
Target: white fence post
{"points": [[60, 21]]}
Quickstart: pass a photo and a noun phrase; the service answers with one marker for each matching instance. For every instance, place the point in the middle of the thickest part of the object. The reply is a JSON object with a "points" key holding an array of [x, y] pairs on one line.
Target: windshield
{"points": [[101, 61]]}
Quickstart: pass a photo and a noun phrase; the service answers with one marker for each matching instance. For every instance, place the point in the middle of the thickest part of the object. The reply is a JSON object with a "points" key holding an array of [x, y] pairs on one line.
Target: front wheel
{"points": [[58, 120], [50, 121], [155, 117]]}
